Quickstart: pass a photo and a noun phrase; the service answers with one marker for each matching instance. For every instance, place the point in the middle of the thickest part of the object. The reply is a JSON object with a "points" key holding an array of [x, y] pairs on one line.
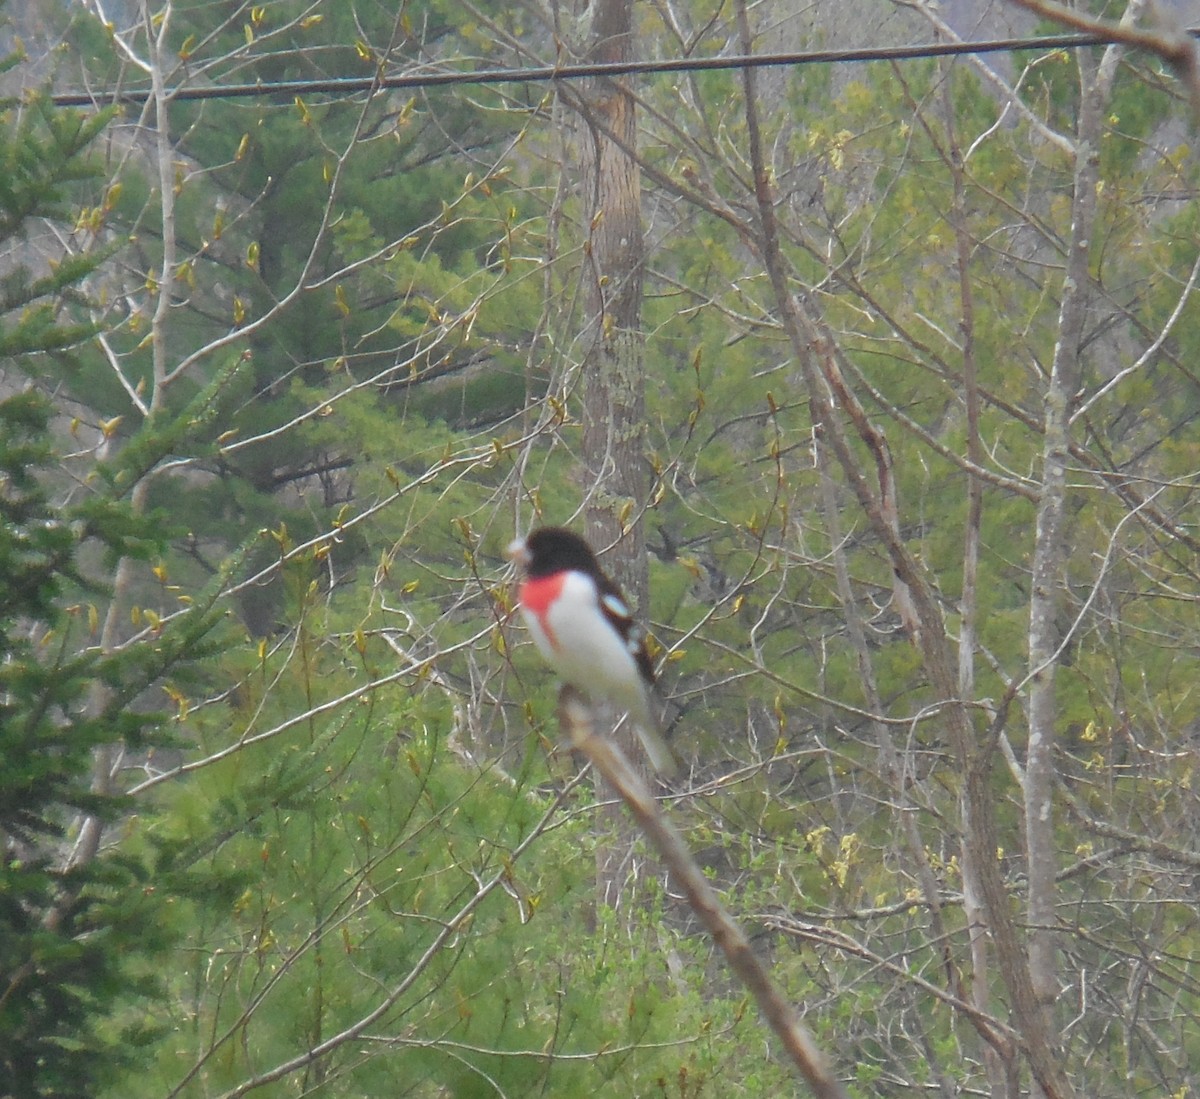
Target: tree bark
{"points": [[613, 383]]}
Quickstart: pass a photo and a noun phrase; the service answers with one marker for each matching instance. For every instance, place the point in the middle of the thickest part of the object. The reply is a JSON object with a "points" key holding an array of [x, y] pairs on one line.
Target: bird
{"points": [[583, 628]]}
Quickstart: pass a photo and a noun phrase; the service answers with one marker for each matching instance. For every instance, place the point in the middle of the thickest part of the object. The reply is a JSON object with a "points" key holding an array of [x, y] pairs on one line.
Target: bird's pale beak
{"points": [[517, 552]]}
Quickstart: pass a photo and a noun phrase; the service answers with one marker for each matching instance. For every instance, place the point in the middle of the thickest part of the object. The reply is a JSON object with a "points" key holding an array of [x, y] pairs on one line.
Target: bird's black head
{"points": [[552, 549]]}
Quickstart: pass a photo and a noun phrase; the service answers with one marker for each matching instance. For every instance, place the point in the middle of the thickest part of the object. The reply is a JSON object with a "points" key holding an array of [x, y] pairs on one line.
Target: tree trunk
{"points": [[613, 382], [613, 386]]}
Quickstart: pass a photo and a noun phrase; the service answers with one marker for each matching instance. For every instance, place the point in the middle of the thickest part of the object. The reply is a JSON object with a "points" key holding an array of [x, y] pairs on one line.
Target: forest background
{"points": [[876, 379]]}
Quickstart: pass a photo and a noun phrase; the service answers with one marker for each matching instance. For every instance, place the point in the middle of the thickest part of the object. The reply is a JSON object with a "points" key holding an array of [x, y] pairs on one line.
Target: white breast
{"points": [[584, 649]]}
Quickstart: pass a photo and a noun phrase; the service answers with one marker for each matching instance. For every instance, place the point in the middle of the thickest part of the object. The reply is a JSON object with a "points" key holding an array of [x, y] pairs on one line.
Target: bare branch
{"points": [[1171, 43], [610, 761]]}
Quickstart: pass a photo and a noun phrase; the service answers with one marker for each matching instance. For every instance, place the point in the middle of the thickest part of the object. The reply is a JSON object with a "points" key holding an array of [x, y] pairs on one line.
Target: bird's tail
{"points": [[662, 759], [646, 719]]}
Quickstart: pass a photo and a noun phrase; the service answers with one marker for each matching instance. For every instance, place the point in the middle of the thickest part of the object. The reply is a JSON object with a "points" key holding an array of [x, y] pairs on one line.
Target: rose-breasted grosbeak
{"points": [[582, 625]]}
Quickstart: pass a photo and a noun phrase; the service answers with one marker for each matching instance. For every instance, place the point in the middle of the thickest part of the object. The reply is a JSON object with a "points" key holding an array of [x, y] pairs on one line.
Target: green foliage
{"points": [[367, 750], [66, 928], [410, 291], [78, 934], [357, 841], [43, 153]]}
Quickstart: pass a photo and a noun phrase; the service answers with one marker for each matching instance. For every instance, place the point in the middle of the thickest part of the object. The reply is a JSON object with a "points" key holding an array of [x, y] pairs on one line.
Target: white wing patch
{"points": [[616, 607]]}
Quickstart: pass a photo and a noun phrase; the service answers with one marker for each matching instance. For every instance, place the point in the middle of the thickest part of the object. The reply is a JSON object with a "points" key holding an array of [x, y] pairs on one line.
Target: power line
{"points": [[552, 73]]}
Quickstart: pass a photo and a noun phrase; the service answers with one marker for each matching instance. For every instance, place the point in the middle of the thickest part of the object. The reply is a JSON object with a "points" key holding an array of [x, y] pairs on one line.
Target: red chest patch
{"points": [[537, 595]]}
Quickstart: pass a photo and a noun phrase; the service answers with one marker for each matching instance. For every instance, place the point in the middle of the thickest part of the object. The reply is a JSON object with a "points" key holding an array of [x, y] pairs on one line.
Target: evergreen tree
{"points": [[77, 933]]}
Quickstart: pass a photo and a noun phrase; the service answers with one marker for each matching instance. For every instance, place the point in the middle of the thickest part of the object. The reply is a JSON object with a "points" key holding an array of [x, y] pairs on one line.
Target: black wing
{"points": [[616, 610]]}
